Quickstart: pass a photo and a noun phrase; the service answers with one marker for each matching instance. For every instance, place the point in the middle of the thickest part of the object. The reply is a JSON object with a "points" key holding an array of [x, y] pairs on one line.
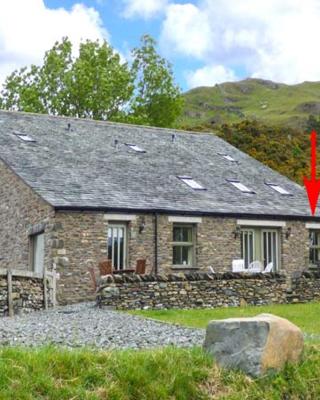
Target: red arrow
{"points": [[312, 185]]}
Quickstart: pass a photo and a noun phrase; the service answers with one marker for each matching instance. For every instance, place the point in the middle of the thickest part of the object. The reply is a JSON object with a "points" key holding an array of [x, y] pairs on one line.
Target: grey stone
{"points": [[254, 345]]}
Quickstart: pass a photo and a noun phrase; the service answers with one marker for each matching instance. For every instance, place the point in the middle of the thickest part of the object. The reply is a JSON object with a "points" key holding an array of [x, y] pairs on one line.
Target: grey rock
{"points": [[254, 345]]}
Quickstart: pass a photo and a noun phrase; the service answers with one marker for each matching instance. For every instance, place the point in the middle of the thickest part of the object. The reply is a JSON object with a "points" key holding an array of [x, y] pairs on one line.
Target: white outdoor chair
{"points": [[268, 268], [255, 267], [238, 266], [211, 270]]}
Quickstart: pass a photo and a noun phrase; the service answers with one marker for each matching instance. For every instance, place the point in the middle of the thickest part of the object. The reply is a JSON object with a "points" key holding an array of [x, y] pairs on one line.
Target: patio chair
{"points": [[268, 268], [105, 267], [238, 266], [211, 270], [255, 267], [141, 267]]}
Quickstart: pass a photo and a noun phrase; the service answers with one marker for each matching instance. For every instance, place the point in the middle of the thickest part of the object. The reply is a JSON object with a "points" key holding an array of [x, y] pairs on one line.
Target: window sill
{"points": [[178, 267]]}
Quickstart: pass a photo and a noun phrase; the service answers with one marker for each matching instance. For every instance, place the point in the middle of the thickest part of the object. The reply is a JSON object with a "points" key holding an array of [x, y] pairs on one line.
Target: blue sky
{"points": [[207, 41], [126, 32]]}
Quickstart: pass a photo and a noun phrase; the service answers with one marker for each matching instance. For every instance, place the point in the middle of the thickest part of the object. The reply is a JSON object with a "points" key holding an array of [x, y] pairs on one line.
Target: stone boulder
{"points": [[255, 345]]}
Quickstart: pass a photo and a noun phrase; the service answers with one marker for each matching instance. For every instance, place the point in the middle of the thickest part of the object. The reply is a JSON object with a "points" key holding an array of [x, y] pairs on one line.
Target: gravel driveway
{"points": [[85, 325]]}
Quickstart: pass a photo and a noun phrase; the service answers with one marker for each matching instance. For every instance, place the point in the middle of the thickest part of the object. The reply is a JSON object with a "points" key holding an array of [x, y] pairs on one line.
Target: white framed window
{"points": [[227, 157], [135, 148], [278, 189], [240, 186], [188, 180], [117, 245], [183, 245], [260, 244], [314, 247], [37, 252], [247, 246]]}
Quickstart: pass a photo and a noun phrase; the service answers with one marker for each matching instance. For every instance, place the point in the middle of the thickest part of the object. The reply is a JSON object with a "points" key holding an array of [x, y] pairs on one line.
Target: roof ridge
{"points": [[97, 121]]}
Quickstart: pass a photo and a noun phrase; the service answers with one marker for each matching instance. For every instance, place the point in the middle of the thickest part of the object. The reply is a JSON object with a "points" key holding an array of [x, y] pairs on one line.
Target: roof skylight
{"points": [[24, 136], [188, 180], [278, 188], [227, 157], [135, 148], [240, 186]]}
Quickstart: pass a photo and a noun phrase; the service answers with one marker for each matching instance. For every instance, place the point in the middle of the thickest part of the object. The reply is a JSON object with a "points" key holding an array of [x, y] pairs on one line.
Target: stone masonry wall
{"points": [[196, 290], [190, 290], [21, 212], [79, 241], [27, 295]]}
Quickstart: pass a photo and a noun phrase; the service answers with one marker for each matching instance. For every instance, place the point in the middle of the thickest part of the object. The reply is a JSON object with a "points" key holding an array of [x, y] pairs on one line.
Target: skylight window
{"points": [[278, 188], [24, 136], [135, 148], [188, 180], [240, 186], [227, 157]]}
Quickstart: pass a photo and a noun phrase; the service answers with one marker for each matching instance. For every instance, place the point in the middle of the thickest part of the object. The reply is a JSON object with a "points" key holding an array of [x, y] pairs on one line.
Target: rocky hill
{"points": [[268, 102]]}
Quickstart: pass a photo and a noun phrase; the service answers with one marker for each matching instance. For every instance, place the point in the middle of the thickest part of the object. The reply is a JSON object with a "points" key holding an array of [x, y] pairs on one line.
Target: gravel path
{"points": [[85, 325]]}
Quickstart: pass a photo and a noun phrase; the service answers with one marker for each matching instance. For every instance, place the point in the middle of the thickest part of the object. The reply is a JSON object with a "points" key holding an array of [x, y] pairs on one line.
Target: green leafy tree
{"points": [[96, 84], [157, 99]]}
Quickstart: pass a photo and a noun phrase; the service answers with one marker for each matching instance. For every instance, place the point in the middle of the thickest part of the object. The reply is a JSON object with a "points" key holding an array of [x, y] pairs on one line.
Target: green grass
{"points": [[168, 374], [306, 316]]}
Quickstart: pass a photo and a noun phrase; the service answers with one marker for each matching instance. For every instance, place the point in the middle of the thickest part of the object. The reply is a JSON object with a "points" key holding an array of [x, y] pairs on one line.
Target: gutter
{"points": [[195, 213]]}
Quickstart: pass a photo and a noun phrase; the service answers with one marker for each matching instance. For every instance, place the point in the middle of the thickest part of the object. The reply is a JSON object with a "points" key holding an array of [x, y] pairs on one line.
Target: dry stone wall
{"points": [[190, 290], [27, 295], [204, 290]]}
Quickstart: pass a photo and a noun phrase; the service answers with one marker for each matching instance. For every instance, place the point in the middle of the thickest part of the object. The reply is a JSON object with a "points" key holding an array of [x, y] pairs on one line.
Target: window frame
{"points": [[258, 245], [123, 226], [185, 244], [314, 247]]}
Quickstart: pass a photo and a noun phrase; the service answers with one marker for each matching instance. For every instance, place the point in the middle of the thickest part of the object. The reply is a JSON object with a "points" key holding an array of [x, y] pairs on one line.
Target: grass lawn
{"points": [[166, 374], [306, 316]]}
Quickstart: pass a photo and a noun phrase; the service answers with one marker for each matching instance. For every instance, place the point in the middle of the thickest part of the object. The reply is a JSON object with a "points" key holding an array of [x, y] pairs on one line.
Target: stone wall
{"points": [[204, 290], [305, 288], [190, 290], [75, 241], [22, 212], [27, 295]]}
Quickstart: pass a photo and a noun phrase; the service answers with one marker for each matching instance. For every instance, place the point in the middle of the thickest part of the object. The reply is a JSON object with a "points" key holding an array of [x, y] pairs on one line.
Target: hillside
{"points": [[271, 103]]}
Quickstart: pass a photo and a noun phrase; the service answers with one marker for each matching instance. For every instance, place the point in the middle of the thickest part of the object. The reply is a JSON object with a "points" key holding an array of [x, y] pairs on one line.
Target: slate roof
{"points": [[81, 168]]}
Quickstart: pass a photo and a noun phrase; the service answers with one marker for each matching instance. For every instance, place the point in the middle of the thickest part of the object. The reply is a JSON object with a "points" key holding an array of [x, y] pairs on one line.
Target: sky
{"points": [[207, 41]]}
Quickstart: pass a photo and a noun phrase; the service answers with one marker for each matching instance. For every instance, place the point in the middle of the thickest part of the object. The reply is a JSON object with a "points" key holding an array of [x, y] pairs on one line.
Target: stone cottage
{"points": [[75, 191]]}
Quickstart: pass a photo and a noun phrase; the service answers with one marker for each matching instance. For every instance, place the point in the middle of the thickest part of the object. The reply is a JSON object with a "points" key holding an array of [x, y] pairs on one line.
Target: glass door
{"points": [[117, 243], [270, 252]]}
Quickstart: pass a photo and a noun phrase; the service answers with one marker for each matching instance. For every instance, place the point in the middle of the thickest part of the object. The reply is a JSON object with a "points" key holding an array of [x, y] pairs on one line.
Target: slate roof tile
{"points": [[82, 168]]}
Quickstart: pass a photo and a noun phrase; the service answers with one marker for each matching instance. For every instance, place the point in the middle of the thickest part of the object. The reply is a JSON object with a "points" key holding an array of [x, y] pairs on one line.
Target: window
{"points": [[260, 245], [135, 148], [240, 186], [278, 188], [24, 136], [183, 245], [227, 157], [117, 246], [191, 182], [314, 249], [37, 252], [247, 246]]}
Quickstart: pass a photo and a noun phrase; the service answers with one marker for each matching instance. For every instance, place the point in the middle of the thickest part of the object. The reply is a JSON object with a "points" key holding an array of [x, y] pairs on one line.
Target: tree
{"points": [[157, 99], [96, 84]]}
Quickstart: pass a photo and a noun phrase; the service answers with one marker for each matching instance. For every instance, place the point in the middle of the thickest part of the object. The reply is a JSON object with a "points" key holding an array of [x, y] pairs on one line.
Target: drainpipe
{"points": [[156, 243]]}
